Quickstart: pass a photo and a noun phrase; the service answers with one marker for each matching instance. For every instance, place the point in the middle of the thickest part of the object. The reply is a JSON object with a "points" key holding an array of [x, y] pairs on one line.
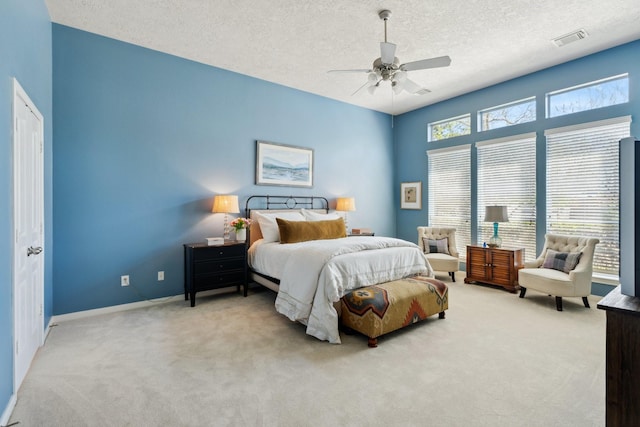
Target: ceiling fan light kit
{"points": [[388, 67]]}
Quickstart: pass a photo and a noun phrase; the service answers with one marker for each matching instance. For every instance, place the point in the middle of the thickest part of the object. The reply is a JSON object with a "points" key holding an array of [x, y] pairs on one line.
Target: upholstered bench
{"points": [[379, 309]]}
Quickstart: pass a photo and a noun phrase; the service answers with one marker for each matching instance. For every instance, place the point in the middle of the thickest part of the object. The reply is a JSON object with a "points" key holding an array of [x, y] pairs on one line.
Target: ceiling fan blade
{"points": [[361, 87], [387, 52], [361, 70], [440, 61], [413, 87]]}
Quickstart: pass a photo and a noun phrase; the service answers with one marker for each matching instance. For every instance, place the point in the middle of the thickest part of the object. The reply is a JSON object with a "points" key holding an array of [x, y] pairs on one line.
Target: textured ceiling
{"points": [[295, 42]]}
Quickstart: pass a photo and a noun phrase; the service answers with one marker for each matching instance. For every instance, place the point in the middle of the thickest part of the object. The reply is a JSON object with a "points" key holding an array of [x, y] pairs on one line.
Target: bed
{"points": [[311, 274]]}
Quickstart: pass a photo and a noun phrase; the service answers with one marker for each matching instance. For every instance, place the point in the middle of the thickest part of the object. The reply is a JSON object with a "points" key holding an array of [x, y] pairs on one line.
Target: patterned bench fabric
{"points": [[383, 308]]}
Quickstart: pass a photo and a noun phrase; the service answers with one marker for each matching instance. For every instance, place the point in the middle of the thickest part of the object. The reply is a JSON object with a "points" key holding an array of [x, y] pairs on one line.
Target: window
{"points": [[507, 177], [598, 94], [455, 126], [449, 183], [510, 114], [583, 186]]}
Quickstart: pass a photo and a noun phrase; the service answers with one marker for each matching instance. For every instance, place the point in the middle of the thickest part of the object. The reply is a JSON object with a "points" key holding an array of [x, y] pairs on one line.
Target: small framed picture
{"points": [[411, 195]]}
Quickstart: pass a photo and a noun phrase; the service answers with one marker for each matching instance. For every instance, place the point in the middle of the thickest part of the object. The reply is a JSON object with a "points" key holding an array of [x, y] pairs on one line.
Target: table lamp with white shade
{"points": [[346, 204], [226, 204]]}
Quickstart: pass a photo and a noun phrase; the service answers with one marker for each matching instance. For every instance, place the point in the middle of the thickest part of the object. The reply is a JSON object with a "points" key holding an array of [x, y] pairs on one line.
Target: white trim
{"points": [[581, 126], [605, 279], [8, 410], [437, 151], [587, 84], [132, 306], [507, 104], [511, 138]]}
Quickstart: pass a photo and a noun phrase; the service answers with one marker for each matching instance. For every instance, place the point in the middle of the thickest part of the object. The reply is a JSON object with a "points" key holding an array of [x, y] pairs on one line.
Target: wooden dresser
{"points": [[623, 358], [494, 266]]}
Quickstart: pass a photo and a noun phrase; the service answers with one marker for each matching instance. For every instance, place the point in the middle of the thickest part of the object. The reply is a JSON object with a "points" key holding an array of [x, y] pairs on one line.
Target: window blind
{"points": [[449, 189], [507, 177], [583, 186]]}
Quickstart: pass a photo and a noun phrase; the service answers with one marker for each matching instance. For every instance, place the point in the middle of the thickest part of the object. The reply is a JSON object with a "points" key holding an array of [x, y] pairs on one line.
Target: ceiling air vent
{"points": [[573, 36]]}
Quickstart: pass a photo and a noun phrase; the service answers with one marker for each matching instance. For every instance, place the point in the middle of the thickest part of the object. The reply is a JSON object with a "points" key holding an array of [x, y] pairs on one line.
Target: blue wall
{"points": [[410, 132], [25, 53], [143, 141]]}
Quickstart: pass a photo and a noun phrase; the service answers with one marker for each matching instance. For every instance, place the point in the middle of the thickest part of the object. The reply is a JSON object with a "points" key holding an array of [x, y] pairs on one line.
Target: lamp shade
{"points": [[496, 214], [346, 204], [225, 203]]}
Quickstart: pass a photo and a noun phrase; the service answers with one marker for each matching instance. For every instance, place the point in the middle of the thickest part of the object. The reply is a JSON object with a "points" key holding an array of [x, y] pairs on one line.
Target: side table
{"points": [[494, 266], [214, 267]]}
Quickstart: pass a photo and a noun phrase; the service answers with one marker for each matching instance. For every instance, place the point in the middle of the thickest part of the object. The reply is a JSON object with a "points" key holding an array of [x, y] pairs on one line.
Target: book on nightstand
{"points": [[361, 232]]}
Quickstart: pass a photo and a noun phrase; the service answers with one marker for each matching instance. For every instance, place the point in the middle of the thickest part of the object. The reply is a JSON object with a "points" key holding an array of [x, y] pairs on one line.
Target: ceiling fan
{"points": [[388, 67]]}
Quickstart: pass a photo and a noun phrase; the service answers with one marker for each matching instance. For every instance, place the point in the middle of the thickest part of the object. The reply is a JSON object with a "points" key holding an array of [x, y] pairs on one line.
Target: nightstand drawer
{"points": [[217, 252], [213, 281], [215, 265]]}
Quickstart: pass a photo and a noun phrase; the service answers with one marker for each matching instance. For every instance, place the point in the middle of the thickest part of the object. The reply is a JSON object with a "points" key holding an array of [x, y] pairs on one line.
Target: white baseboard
{"points": [[8, 410], [130, 306]]}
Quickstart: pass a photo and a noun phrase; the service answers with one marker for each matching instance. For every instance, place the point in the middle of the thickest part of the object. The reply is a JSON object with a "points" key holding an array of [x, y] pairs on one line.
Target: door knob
{"points": [[34, 251]]}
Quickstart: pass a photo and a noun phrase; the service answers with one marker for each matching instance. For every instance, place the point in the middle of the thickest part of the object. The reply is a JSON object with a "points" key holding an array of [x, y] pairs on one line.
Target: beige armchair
{"points": [[552, 273], [441, 257]]}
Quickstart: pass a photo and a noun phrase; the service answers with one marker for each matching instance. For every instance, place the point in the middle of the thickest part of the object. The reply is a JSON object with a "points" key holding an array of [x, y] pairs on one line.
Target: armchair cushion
{"points": [[561, 261], [436, 246]]}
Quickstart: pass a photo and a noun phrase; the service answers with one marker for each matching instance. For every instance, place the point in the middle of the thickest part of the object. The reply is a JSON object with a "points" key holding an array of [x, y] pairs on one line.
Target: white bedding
{"points": [[315, 274]]}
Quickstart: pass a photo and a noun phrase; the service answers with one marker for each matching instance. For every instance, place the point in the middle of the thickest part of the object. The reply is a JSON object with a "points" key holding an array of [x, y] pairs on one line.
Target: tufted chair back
{"points": [[439, 233], [562, 243]]}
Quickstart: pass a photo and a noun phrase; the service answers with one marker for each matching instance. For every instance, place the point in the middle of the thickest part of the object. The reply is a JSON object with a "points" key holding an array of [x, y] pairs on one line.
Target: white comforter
{"points": [[318, 273]]}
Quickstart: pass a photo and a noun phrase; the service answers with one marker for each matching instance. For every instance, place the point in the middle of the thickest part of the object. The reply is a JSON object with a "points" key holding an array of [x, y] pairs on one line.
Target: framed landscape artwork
{"points": [[279, 164], [411, 195]]}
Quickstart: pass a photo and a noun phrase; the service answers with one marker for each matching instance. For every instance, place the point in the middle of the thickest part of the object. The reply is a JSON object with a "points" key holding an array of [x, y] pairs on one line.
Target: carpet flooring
{"points": [[496, 360]]}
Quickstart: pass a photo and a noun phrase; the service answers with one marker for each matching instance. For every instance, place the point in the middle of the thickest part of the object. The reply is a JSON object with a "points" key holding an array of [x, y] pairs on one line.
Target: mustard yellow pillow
{"points": [[302, 231]]}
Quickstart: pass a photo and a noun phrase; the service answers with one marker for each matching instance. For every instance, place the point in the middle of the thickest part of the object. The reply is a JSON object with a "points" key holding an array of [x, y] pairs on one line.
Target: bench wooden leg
{"points": [[373, 342], [441, 315]]}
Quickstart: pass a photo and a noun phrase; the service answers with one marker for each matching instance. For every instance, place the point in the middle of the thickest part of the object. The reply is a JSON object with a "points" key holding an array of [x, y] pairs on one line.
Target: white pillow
{"points": [[316, 216], [269, 226]]}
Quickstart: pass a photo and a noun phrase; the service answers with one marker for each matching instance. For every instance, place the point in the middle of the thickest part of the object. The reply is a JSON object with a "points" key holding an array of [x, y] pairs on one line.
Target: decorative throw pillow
{"points": [[561, 261], [436, 246], [302, 231], [268, 225], [317, 216]]}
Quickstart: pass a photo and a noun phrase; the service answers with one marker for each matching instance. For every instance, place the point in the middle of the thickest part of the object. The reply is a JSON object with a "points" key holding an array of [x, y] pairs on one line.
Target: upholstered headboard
{"points": [[275, 204]]}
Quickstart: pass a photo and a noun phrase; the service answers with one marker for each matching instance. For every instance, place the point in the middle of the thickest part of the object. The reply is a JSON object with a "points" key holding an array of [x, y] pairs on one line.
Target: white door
{"points": [[28, 220]]}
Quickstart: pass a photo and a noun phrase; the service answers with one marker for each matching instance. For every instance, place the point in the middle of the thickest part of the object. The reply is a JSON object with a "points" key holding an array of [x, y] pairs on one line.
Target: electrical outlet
{"points": [[160, 276], [124, 280]]}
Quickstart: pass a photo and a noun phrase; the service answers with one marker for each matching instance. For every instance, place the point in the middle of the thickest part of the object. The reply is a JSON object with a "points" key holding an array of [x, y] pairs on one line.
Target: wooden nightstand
{"points": [[214, 267], [495, 266]]}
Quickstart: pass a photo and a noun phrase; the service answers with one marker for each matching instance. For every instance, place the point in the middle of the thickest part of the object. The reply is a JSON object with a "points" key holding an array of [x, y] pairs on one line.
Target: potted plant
{"points": [[240, 227]]}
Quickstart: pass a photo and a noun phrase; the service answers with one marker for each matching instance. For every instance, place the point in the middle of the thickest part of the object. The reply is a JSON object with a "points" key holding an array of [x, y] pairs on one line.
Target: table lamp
{"points": [[346, 204], [226, 204], [495, 214]]}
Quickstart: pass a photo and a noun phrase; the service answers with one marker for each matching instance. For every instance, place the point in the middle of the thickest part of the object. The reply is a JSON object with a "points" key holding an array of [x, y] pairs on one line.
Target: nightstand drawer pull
{"points": [[213, 252], [226, 279], [218, 266]]}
